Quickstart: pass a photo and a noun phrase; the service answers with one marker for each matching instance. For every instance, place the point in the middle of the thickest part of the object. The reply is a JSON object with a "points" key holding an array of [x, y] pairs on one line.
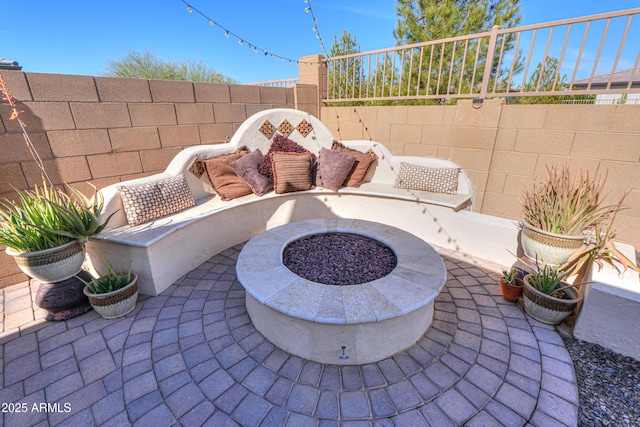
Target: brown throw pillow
{"points": [[424, 178], [361, 166], [145, 202], [283, 145], [247, 168], [291, 171], [333, 168], [223, 178]]}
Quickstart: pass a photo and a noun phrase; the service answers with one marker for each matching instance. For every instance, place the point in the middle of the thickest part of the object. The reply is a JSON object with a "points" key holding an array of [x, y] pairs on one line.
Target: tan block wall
{"points": [[105, 130], [506, 148]]}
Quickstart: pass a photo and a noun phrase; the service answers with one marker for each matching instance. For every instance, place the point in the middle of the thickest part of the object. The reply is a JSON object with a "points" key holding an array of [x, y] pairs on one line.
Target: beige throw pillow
{"points": [[145, 202], [424, 178]]}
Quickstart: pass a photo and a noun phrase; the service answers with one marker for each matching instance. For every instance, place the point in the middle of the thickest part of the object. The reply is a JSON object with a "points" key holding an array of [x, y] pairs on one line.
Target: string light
{"points": [[228, 33], [309, 9]]}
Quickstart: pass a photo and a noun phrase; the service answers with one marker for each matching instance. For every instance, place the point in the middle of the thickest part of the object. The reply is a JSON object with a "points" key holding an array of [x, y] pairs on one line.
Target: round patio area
{"points": [[191, 356]]}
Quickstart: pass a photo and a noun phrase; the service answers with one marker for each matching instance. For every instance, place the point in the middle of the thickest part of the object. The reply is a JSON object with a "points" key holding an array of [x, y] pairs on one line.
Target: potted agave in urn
{"points": [[547, 297], [559, 211], [511, 285], [113, 294], [44, 231]]}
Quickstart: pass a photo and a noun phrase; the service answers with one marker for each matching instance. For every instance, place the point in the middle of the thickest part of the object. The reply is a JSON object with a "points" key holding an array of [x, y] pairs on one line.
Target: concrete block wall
{"points": [[105, 130], [506, 148]]}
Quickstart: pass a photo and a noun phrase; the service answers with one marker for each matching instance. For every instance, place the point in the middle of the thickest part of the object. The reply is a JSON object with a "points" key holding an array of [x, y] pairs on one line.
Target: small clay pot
{"points": [[511, 292]]}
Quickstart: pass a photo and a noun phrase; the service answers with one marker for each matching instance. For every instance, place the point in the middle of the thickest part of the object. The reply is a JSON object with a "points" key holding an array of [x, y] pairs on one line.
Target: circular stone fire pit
{"points": [[346, 324]]}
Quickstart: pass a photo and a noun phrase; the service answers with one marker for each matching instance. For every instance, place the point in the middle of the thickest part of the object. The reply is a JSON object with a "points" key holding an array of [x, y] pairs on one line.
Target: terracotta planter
{"points": [[51, 265], [548, 309], [553, 248], [511, 292], [112, 305]]}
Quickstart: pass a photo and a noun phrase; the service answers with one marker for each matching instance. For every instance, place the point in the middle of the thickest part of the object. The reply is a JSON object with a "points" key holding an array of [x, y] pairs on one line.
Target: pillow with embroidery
{"points": [[152, 200], [424, 178]]}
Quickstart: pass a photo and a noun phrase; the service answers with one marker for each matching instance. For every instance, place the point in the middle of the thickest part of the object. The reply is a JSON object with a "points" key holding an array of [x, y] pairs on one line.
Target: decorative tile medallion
{"points": [[285, 128], [197, 168], [267, 129], [304, 127]]}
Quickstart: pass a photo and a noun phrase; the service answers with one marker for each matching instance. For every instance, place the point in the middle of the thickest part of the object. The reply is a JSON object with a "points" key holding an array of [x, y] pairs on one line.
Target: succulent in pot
{"points": [[113, 294], [511, 285], [547, 297], [558, 210], [45, 229]]}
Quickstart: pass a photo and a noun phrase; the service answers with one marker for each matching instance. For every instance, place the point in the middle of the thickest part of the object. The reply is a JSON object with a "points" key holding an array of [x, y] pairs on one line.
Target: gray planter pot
{"points": [[112, 305], [51, 265], [553, 248], [545, 308]]}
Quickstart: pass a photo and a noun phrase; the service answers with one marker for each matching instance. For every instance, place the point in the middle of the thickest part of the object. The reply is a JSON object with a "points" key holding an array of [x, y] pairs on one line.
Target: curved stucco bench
{"points": [[163, 250]]}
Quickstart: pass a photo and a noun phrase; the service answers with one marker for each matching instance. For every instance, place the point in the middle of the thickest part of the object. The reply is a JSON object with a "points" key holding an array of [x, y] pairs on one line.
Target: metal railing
{"points": [[278, 83], [592, 55]]}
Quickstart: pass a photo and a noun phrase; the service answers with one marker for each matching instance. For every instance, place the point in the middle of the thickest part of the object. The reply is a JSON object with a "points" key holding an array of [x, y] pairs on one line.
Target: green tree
{"points": [[345, 75], [423, 20], [428, 20], [147, 65], [545, 78]]}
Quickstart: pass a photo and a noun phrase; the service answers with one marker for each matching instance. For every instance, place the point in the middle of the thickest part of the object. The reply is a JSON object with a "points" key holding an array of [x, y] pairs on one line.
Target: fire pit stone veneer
{"points": [[351, 324]]}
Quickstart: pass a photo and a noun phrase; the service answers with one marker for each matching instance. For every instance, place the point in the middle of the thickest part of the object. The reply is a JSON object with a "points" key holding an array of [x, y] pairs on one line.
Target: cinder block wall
{"points": [[507, 147], [105, 130]]}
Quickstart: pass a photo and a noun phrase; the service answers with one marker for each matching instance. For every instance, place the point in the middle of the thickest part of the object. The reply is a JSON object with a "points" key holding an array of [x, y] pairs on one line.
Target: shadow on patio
{"points": [[191, 356]]}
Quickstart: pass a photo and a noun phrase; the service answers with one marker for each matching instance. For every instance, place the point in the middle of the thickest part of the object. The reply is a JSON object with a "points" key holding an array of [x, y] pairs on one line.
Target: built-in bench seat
{"points": [[166, 248]]}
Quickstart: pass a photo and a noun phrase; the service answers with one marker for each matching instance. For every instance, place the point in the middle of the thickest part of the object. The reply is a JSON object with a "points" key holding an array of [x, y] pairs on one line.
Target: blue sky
{"points": [[73, 37]]}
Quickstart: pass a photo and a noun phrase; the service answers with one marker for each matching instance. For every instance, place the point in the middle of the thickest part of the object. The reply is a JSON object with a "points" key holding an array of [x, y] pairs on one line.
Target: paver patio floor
{"points": [[191, 356]]}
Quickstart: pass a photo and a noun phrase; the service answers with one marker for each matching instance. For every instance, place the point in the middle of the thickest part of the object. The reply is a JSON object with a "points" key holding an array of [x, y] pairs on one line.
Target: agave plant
{"points": [[599, 249], [547, 278], [563, 204], [112, 281], [509, 277], [45, 217]]}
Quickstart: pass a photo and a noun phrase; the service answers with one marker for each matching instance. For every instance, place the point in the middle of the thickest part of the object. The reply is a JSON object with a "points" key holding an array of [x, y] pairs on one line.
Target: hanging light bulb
{"points": [[305, 1], [307, 9], [211, 22], [255, 49], [226, 34], [189, 9], [266, 53], [314, 29], [240, 42]]}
